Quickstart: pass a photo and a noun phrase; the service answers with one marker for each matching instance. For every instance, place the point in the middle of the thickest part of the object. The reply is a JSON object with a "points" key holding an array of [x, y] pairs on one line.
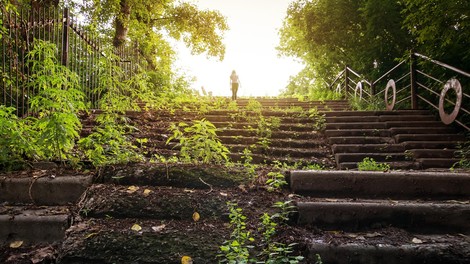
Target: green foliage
{"points": [[254, 106], [370, 104], [463, 153], [57, 102], [286, 208], [199, 142], [108, 144], [17, 139], [276, 180], [236, 250], [369, 164]]}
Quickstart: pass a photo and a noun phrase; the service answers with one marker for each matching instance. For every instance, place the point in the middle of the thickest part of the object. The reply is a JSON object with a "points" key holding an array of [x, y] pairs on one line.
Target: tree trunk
{"points": [[122, 24]]}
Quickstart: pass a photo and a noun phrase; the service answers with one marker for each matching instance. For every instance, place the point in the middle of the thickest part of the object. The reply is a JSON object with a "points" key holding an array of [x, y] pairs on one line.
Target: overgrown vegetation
{"points": [[242, 246], [369, 164], [199, 142]]}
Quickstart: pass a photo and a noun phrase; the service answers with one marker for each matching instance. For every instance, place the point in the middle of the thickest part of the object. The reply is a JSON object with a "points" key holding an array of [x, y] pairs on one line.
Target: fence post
{"points": [[65, 37], [346, 81], [413, 84], [372, 88]]}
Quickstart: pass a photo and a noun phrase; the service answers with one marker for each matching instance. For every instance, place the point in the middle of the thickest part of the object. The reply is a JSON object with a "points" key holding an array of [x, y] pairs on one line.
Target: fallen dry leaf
{"points": [[196, 216], [158, 228], [186, 260], [147, 192], [417, 241], [136, 227], [132, 189], [16, 244]]}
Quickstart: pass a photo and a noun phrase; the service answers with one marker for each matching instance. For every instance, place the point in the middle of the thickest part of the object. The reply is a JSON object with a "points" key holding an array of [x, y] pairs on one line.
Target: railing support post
{"points": [[346, 81], [65, 37], [413, 84]]}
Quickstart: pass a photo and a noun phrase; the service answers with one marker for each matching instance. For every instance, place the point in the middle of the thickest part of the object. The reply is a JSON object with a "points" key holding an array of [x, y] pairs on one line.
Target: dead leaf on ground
{"points": [[16, 244], [136, 227], [132, 189], [158, 228], [375, 234], [196, 216], [147, 192], [417, 241]]}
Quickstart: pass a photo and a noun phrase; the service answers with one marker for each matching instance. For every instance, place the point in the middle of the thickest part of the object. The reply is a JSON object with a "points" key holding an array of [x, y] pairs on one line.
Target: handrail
{"points": [[430, 91], [387, 73], [445, 65]]}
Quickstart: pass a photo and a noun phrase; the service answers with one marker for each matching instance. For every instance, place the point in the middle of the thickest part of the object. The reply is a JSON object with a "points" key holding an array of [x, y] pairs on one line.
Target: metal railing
{"points": [[416, 83], [77, 49]]}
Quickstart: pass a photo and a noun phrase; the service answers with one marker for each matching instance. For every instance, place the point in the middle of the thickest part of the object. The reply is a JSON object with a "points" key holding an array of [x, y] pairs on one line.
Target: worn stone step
{"points": [[390, 124], [424, 217], [406, 118], [427, 163], [396, 165], [432, 153], [377, 113], [358, 133], [392, 184], [30, 225], [244, 125], [351, 119], [430, 144], [421, 130], [44, 188], [360, 140], [399, 247], [367, 148], [356, 125], [379, 157], [429, 137]]}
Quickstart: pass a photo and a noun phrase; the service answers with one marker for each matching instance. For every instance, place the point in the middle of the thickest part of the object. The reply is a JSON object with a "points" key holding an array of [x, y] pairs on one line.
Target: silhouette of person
{"points": [[234, 83]]}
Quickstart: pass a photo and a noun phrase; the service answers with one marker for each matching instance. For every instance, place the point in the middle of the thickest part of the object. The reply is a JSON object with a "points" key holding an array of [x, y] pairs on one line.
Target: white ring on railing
{"points": [[358, 86], [391, 83], [455, 85]]}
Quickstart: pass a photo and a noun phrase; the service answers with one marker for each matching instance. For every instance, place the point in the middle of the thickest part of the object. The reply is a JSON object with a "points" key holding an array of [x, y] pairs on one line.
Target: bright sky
{"points": [[250, 50]]}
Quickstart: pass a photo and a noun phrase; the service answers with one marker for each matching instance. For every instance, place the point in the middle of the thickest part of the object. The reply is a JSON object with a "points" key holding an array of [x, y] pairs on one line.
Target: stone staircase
{"points": [[145, 213], [376, 217], [405, 139]]}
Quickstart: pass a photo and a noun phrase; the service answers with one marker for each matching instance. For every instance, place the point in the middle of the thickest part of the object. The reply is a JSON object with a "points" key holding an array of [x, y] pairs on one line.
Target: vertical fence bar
{"points": [[346, 81], [65, 38], [413, 84]]}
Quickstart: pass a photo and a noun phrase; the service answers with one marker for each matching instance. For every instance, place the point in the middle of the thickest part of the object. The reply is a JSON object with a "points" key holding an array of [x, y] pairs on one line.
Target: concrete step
{"points": [[358, 125], [358, 133], [391, 124], [397, 165], [360, 140], [44, 189], [431, 217], [400, 247], [430, 144], [429, 137], [427, 163], [367, 148], [34, 225], [421, 130], [406, 118], [377, 113], [433, 153], [379, 157], [369, 184]]}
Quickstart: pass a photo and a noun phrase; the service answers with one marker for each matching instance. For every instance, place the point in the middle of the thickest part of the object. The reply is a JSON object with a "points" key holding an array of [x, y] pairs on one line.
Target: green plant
{"points": [[17, 139], [276, 180], [314, 166], [369, 164], [236, 250], [57, 102], [108, 144], [254, 105], [463, 153], [199, 142], [286, 208]]}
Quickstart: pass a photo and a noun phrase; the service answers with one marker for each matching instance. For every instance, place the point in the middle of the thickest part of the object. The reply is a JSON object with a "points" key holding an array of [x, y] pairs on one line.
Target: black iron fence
{"points": [[77, 48], [416, 83]]}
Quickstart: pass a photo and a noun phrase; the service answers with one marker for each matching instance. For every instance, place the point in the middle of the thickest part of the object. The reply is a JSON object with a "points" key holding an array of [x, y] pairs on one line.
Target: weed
{"points": [[199, 142], [463, 153], [314, 167], [276, 180], [369, 164]]}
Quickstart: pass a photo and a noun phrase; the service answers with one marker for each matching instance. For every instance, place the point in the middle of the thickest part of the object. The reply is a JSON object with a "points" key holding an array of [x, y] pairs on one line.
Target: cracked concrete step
{"points": [[43, 225], [369, 184], [367, 148], [429, 137], [377, 113], [360, 140], [397, 165], [403, 248], [422, 217], [379, 157], [44, 190], [358, 133]]}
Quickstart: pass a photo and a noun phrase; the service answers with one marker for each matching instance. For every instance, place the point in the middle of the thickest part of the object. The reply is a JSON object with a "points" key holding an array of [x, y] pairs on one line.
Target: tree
{"points": [[148, 22]]}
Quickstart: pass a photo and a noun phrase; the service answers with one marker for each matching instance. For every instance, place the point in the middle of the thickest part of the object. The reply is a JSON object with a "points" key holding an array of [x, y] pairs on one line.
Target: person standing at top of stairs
{"points": [[234, 83]]}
